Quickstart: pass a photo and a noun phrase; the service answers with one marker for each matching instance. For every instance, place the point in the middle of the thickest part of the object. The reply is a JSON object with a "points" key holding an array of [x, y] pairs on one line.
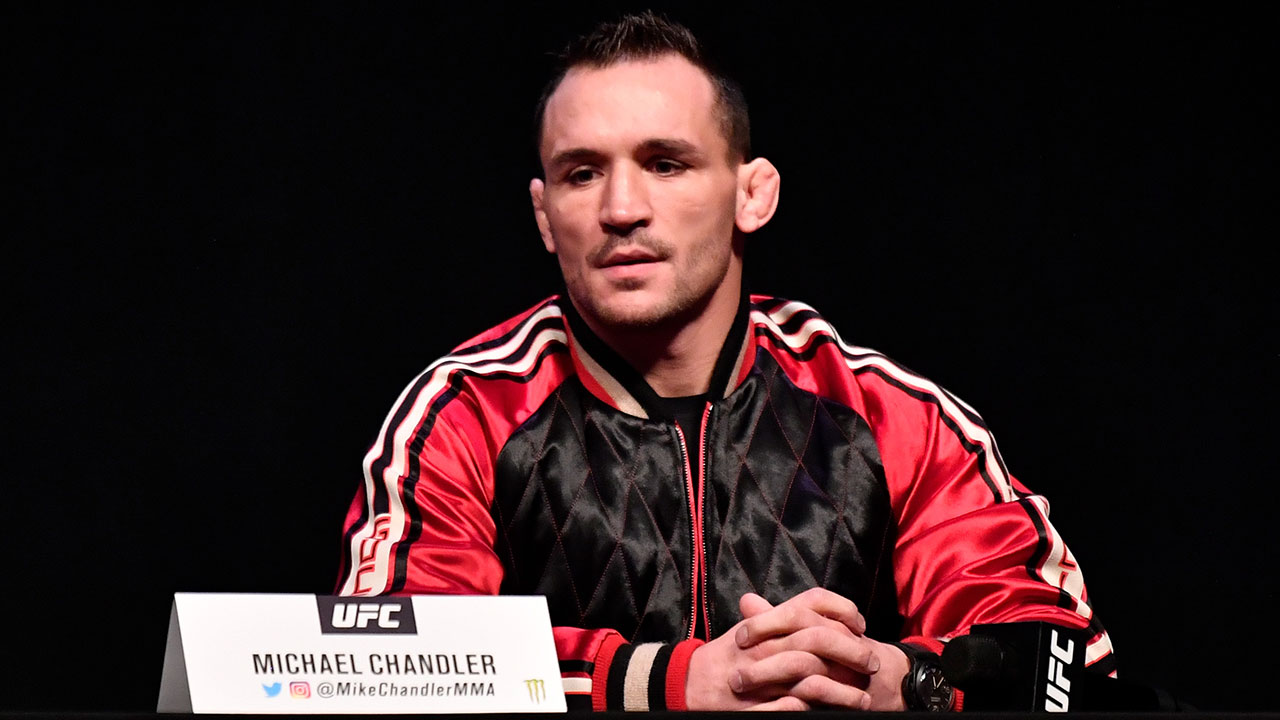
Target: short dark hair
{"points": [[649, 36]]}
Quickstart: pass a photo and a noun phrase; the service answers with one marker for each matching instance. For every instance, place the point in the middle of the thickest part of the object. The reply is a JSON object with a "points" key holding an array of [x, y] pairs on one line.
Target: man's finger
{"points": [[822, 690], [847, 658], [782, 704], [854, 652], [805, 610], [799, 675], [778, 643], [752, 604], [778, 622], [834, 606], [784, 668]]}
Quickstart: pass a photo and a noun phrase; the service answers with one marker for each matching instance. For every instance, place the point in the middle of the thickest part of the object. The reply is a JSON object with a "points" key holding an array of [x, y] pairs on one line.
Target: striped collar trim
{"points": [[608, 376]]}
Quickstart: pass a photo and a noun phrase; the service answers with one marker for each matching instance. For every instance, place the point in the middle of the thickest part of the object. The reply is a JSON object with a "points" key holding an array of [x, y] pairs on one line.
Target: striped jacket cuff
{"points": [[646, 677], [678, 673], [601, 672]]}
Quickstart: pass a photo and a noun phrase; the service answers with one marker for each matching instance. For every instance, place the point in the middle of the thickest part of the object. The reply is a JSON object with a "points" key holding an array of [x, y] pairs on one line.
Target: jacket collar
{"points": [[612, 379]]}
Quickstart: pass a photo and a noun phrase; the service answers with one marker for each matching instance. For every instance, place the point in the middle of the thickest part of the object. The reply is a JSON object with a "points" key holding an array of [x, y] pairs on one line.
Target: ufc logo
{"points": [[1056, 698], [366, 615], [349, 615]]}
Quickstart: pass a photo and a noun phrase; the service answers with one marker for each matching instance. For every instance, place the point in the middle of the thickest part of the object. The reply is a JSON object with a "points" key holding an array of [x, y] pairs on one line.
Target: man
{"points": [[725, 505]]}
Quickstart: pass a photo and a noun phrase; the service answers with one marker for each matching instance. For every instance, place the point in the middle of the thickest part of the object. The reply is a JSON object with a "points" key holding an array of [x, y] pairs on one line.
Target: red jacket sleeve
{"points": [[974, 545]]}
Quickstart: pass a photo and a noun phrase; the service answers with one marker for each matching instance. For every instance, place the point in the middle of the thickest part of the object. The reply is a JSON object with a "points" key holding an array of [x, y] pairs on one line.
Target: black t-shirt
{"points": [[687, 411]]}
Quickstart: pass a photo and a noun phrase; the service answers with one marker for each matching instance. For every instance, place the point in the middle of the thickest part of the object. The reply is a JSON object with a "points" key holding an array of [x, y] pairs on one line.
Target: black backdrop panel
{"points": [[240, 230]]}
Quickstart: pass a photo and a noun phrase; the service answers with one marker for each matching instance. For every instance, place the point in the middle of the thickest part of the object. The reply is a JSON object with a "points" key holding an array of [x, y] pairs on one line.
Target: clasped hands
{"points": [[808, 651]]}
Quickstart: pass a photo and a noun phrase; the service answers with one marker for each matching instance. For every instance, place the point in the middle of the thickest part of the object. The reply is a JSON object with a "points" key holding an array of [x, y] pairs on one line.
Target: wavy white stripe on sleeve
{"points": [[494, 360]]}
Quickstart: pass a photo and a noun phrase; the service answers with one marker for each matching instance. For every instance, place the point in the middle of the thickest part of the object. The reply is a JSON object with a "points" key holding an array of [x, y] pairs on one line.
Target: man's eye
{"points": [[664, 166], [580, 176]]}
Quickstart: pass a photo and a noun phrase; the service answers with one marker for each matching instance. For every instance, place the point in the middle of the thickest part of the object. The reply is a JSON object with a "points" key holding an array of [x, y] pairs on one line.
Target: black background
{"points": [[240, 230]]}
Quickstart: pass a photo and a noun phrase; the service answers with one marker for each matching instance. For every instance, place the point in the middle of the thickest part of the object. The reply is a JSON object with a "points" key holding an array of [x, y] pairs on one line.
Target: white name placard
{"points": [[302, 654]]}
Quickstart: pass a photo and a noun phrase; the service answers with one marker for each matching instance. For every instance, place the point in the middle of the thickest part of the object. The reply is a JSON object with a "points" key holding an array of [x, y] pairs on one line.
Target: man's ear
{"points": [[758, 183], [536, 188]]}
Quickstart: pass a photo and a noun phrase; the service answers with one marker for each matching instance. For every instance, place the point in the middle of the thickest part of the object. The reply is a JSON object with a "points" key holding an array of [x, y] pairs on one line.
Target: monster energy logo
{"points": [[537, 690]]}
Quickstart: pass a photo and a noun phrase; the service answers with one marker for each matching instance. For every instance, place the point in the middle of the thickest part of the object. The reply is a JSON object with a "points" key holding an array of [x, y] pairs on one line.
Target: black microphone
{"points": [[1038, 667]]}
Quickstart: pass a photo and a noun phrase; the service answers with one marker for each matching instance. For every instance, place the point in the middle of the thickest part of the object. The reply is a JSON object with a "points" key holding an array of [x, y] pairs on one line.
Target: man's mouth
{"points": [[629, 256]]}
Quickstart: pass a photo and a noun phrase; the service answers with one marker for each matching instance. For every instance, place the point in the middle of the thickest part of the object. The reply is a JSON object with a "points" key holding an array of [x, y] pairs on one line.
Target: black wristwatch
{"points": [[924, 688]]}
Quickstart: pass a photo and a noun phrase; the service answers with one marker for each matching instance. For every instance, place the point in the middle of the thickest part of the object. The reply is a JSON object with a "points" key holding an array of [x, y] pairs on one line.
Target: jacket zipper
{"points": [[702, 541], [698, 571], [695, 532]]}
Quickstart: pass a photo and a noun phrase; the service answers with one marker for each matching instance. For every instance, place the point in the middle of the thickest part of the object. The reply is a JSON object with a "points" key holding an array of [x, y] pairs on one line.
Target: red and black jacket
{"points": [[534, 460]]}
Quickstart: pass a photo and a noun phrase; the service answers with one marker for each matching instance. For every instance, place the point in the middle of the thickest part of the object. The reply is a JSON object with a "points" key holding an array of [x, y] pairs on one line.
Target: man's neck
{"points": [[678, 361]]}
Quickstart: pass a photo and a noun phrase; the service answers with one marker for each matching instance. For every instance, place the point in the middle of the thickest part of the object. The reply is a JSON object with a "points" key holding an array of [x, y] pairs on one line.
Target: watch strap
{"points": [[923, 661]]}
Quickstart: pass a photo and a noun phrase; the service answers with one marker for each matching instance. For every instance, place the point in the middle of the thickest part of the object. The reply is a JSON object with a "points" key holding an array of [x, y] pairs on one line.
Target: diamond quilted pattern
{"points": [[592, 514], [780, 518], [592, 510]]}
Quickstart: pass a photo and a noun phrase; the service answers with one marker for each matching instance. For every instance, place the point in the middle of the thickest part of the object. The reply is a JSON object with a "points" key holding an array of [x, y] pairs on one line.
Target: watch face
{"points": [[933, 690]]}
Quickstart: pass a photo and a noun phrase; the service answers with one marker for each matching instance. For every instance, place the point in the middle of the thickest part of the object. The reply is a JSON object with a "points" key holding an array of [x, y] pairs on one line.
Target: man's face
{"points": [[639, 199]]}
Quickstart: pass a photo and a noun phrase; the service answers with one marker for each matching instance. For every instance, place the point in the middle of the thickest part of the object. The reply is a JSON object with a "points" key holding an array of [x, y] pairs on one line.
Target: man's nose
{"points": [[625, 204]]}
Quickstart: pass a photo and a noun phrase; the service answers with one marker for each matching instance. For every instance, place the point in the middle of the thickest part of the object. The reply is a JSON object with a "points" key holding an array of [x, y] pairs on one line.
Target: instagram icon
{"points": [[299, 690]]}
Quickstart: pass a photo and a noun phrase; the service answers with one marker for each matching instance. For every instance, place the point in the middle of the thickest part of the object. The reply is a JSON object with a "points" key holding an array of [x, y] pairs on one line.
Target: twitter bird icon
{"points": [[272, 690]]}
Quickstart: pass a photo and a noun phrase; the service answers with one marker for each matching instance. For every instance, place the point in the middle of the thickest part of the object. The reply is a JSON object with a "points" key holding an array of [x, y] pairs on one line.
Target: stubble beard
{"points": [[695, 284]]}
